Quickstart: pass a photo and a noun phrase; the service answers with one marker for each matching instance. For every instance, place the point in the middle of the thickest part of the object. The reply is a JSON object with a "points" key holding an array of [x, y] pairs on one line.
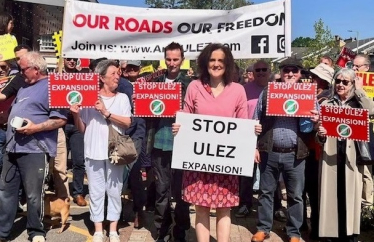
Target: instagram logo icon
{"points": [[281, 44]]}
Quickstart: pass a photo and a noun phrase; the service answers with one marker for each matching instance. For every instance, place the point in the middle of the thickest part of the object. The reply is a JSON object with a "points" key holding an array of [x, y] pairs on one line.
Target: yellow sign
{"points": [[185, 64], [146, 69], [368, 80], [7, 44], [57, 36]]}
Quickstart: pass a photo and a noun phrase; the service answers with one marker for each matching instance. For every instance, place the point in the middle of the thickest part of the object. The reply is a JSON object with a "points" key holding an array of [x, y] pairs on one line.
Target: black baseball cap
{"points": [[291, 62]]}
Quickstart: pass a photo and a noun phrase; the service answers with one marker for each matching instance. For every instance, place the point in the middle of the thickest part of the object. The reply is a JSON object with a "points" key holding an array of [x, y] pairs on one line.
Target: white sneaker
{"points": [[98, 237], [114, 238], [38, 238]]}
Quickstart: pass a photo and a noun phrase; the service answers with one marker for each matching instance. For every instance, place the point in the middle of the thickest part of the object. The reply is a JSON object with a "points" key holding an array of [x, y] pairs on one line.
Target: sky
{"points": [[338, 15]]}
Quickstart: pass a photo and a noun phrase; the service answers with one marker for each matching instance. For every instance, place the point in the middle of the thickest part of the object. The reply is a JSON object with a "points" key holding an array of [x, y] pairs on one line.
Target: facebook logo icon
{"points": [[260, 44]]}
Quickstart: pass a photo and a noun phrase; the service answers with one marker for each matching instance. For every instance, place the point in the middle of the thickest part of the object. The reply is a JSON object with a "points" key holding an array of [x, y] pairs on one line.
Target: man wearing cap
{"points": [[361, 63], [133, 69], [322, 75], [282, 147]]}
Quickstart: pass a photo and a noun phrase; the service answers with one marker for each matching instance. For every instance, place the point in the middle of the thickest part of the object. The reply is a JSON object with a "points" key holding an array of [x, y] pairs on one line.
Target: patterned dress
{"points": [[204, 188]]}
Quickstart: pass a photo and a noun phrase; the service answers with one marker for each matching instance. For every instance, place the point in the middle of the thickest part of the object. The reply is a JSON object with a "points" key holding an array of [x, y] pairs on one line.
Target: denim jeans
{"points": [[271, 165], [75, 142], [31, 170]]}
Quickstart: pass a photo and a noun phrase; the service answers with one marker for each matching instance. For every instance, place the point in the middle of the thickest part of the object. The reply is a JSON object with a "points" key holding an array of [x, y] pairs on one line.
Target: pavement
{"points": [[80, 228]]}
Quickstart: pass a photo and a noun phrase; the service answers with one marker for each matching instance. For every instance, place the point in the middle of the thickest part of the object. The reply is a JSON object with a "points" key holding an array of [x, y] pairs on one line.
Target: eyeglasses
{"points": [[72, 59], [291, 69], [131, 67], [358, 66], [23, 70], [261, 69], [345, 82], [3, 67]]}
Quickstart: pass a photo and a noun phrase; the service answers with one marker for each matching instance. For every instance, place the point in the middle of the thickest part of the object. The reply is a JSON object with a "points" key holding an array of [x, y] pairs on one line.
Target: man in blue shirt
{"points": [[29, 148]]}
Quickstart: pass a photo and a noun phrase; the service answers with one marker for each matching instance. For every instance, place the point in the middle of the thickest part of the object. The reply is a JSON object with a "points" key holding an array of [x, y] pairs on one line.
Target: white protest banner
{"points": [[98, 30], [214, 144]]}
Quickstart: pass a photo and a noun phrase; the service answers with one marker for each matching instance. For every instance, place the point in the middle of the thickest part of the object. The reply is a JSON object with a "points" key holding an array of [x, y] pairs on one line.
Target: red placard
{"points": [[65, 89], [83, 63], [157, 99], [348, 123], [291, 99], [346, 56], [151, 77]]}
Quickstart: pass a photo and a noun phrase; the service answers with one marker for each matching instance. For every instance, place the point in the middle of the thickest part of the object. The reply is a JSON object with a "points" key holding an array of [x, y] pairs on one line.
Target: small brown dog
{"points": [[54, 206]]}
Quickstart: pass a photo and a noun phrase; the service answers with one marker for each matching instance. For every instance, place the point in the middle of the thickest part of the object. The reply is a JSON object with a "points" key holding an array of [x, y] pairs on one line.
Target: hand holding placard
{"points": [[345, 122], [214, 144]]}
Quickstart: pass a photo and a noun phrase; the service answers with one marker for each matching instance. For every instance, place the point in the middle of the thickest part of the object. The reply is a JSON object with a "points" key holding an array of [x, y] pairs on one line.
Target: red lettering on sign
{"points": [[346, 123], [168, 27], [134, 25], [91, 21], [157, 99], [144, 27], [291, 99], [66, 89]]}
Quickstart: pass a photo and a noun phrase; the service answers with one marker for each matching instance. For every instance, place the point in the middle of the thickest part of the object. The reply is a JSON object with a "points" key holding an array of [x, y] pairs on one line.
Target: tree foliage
{"points": [[198, 4], [322, 43], [302, 42]]}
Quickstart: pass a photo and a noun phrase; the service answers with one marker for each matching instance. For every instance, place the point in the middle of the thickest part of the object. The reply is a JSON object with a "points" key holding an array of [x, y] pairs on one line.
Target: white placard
{"points": [[99, 30], [214, 144]]}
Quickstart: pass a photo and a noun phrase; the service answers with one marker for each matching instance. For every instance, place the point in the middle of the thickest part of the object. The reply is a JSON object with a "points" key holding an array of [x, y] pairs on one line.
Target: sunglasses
{"points": [[72, 59], [3, 67], [345, 82], [261, 69], [132, 67], [291, 69]]}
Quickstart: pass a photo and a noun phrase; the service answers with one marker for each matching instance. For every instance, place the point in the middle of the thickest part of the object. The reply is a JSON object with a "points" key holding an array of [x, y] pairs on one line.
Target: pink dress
{"points": [[204, 188]]}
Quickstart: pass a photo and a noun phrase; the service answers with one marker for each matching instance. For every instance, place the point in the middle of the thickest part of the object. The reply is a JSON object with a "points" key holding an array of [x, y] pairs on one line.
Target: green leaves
{"points": [[198, 4]]}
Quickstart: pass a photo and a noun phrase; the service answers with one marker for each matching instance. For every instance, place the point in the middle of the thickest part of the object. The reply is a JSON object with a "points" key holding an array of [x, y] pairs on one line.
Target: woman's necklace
{"points": [[108, 98]]}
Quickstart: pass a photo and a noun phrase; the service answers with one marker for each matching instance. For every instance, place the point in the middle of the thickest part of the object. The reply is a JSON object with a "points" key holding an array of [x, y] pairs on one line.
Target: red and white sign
{"points": [[346, 55], [151, 77], [83, 63], [94, 30], [157, 99], [66, 89], [291, 99], [368, 79], [347, 123]]}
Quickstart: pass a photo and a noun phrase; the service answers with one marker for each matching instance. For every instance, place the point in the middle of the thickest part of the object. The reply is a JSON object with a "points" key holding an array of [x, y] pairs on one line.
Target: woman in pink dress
{"points": [[214, 94]]}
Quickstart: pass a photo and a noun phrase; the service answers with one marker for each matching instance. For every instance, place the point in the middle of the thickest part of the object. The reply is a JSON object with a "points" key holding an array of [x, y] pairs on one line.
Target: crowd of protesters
{"points": [[294, 161]]}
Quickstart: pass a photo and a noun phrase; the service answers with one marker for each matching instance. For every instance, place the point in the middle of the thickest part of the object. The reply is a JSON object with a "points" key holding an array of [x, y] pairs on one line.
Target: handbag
{"points": [[121, 148], [363, 156]]}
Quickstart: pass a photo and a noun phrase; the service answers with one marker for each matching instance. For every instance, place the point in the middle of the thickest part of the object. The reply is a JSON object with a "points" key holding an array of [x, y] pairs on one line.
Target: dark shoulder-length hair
{"points": [[204, 58], [5, 18]]}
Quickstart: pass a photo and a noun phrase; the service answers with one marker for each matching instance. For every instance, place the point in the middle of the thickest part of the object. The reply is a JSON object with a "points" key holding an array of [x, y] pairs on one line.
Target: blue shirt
{"points": [[32, 103], [284, 129]]}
